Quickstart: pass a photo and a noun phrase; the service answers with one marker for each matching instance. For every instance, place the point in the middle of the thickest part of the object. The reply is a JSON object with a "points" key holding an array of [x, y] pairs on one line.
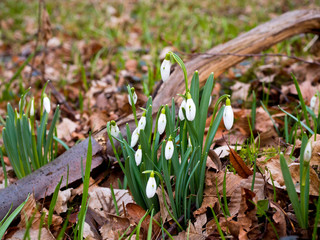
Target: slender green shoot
{"points": [[114, 200]]}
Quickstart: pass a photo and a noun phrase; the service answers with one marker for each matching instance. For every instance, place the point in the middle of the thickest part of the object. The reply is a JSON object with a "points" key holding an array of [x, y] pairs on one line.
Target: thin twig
{"points": [[208, 55]]}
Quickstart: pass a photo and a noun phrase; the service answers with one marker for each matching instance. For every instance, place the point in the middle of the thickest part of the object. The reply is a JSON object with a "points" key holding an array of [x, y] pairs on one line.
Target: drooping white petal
{"points": [[142, 123], [210, 100], [169, 150], [165, 69], [190, 110], [151, 187], [313, 102], [46, 104], [307, 152], [228, 117], [183, 105], [135, 137], [32, 108], [189, 142], [114, 129], [162, 122], [138, 156], [134, 97]]}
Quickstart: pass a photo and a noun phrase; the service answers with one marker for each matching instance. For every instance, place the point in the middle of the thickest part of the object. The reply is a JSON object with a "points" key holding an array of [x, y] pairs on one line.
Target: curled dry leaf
{"points": [[239, 164], [114, 227], [33, 234]]}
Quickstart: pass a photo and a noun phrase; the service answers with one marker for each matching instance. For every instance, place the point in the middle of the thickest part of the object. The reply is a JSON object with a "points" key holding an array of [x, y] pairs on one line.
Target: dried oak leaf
{"points": [[239, 164]]}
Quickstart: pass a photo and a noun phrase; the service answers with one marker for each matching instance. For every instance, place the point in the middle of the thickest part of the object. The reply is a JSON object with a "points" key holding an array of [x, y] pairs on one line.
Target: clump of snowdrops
{"points": [[173, 153], [27, 143]]}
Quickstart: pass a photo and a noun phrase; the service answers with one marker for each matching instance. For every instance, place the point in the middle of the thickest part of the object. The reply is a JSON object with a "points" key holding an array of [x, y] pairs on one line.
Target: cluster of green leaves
{"points": [[184, 174], [26, 148]]}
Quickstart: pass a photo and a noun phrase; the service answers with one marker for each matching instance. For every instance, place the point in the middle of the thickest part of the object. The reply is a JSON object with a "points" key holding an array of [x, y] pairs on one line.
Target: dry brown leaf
{"points": [[240, 91], [273, 166], [66, 128], [193, 235], [234, 205], [163, 211], [101, 201], [113, 227], [33, 233], [98, 120], [63, 198], [239, 164], [135, 213]]}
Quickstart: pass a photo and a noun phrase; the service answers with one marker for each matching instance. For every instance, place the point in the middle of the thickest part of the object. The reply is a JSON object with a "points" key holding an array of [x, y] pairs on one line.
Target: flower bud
{"points": [[162, 121], [183, 105], [134, 97], [151, 186], [228, 117], [165, 68], [168, 153], [190, 108], [46, 103], [138, 155], [307, 152], [142, 122], [114, 129], [32, 107], [135, 137], [313, 102]]}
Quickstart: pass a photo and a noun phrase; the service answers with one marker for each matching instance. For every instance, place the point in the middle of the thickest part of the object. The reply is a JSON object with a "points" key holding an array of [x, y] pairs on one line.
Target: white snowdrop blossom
{"points": [[142, 122], [169, 149], [165, 68], [228, 116], [32, 107], [190, 108], [162, 121], [46, 104], [151, 186], [307, 152], [183, 105], [138, 155], [114, 129], [134, 97], [313, 102], [135, 137]]}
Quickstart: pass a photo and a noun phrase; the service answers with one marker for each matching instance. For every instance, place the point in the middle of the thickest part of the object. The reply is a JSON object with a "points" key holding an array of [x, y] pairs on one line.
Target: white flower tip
{"points": [[183, 105], [134, 97], [32, 108], [308, 152], [46, 104], [162, 122]]}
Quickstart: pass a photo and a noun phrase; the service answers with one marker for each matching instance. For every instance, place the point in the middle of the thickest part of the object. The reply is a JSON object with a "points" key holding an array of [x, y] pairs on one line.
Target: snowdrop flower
{"points": [[134, 97], [165, 68], [210, 100], [32, 108], [307, 152], [46, 103], [114, 129], [138, 155], [151, 186], [228, 115], [162, 121], [190, 108], [183, 105], [313, 102], [142, 122], [169, 149], [135, 137]]}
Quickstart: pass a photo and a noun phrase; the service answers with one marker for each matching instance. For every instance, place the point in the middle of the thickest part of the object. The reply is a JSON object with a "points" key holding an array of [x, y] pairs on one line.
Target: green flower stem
{"points": [[164, 197], [183, 67]]}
